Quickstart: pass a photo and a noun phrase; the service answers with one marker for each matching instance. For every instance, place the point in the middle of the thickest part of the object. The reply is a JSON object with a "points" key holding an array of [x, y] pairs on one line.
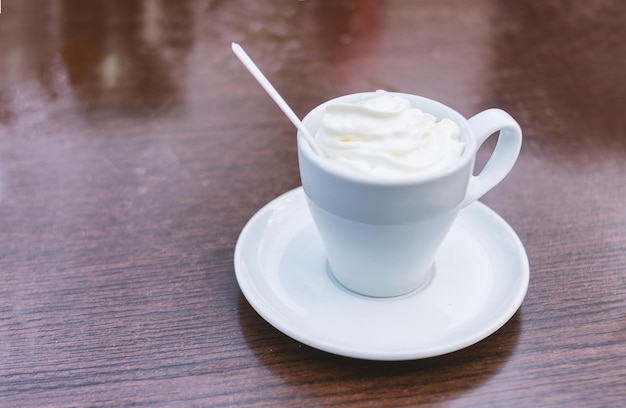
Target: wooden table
{"points": [[134, 147]]}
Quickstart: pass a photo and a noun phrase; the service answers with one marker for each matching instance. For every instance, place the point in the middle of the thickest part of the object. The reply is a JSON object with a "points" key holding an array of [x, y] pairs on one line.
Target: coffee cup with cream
{"points": [[389, 174]]}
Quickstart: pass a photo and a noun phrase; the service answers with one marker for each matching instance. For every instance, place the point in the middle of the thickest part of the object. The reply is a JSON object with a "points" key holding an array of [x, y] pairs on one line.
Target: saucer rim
{"points": [[250, 291]]}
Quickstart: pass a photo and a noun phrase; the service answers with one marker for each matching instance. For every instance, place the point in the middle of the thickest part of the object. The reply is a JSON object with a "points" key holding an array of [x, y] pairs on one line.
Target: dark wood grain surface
{"points": [[134, 147]]}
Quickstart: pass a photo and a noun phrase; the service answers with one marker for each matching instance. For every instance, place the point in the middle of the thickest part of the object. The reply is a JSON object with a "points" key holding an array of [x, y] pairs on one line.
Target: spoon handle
{"points": [[271, 91]]}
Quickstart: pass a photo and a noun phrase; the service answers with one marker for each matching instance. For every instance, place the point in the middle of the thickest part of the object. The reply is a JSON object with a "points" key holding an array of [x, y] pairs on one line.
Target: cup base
{"points": [[410, 292]]}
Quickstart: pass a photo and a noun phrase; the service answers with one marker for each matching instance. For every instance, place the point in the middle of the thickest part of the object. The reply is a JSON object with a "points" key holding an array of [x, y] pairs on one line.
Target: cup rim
{"points": [[416, 101]]}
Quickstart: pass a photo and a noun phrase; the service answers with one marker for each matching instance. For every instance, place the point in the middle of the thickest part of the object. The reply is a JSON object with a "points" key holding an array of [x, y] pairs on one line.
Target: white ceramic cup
{"points": [[381, 236]]}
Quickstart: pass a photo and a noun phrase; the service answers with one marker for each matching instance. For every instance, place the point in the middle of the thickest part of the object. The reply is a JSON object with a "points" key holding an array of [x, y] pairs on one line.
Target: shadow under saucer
{"points": [[320, 373]]}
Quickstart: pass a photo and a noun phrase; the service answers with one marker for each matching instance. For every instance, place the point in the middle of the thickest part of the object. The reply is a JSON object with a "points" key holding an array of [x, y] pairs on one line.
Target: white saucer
{"points": [[480, 281]]}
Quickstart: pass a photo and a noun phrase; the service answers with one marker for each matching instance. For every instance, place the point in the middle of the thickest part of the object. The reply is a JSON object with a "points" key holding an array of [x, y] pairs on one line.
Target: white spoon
{"points": [[271, 91]]}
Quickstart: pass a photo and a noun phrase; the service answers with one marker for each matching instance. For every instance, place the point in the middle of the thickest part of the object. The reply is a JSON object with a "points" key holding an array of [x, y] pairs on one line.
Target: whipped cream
{"points": [[384, 137]]}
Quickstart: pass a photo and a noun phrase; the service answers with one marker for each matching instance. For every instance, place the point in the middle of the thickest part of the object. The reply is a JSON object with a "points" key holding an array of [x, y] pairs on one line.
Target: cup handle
{"points": [[504, 155]]}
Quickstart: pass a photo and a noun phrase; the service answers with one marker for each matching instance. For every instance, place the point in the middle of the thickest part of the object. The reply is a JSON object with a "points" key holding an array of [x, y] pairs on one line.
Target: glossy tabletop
{"points": [[134, 147]]}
